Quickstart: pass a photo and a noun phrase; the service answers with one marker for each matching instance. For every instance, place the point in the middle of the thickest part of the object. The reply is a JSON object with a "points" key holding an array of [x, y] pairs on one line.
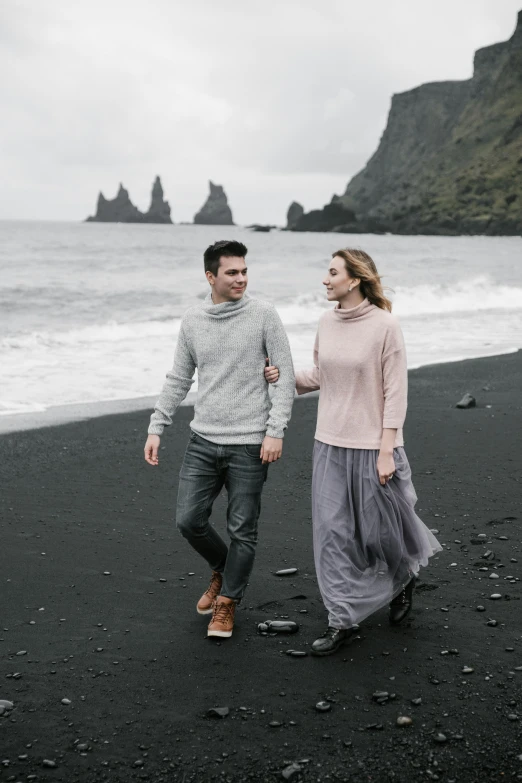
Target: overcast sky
{"points": [[276, 100]]}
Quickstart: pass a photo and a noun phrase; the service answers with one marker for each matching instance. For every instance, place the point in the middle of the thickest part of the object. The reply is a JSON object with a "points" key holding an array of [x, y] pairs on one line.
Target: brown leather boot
{"points": [[211, 593], [222, 623]]}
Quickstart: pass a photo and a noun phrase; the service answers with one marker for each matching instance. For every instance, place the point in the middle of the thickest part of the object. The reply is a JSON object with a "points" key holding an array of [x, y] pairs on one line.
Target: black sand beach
{"points": [[98, 607]]}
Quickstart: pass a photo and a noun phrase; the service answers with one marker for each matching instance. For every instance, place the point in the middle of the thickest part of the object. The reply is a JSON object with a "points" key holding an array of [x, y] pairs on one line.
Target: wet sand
{"points": [[98, 607]]}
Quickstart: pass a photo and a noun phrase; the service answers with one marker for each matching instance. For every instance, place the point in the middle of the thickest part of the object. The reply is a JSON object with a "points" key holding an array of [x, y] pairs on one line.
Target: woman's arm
{"points": [[395, 389], [385, 461]]}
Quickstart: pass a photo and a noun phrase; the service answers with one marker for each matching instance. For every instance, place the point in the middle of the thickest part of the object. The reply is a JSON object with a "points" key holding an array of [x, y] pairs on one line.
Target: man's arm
{"points": [[179, 380], [278, 351], [310, 380]]}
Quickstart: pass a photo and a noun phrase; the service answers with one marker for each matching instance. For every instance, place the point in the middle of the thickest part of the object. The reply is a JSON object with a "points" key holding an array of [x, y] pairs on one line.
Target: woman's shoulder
{"points": [[386, 318]]}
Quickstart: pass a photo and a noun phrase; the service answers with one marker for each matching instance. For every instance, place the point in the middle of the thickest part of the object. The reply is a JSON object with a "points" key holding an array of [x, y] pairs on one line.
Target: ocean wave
{"points": [[480, 293], [471, 296], [110, 332]]}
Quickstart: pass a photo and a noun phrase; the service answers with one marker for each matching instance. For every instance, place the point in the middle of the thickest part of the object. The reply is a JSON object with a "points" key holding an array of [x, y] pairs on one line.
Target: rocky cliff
{"points": [[122, 210], [449, 161], [215, 211]]}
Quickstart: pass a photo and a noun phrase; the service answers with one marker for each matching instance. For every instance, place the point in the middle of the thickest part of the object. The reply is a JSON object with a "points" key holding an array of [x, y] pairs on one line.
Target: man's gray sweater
{"points": [[228, 344]]}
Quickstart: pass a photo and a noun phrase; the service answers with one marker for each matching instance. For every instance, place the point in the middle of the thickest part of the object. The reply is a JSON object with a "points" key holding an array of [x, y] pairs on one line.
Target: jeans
{"points": [[206, 468]]}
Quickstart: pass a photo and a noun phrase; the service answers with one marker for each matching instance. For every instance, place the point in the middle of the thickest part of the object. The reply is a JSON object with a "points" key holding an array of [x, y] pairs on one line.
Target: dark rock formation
{"points": [[116, 210], [295, 212], [159, 210], [215, 211], [122, 210], [449, 160]]}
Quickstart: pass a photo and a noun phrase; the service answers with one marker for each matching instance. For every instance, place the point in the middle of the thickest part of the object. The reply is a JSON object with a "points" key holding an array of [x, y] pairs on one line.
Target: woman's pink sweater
{"points": [[360, 368]]}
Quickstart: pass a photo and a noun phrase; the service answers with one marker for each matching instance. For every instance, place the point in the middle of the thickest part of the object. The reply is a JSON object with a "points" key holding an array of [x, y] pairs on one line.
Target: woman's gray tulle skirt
{"points": [[368, 540]]}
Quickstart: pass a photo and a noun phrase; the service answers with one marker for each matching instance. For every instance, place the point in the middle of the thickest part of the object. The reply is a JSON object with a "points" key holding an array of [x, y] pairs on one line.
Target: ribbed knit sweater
{"points": [[228, 343], [360, 369]]}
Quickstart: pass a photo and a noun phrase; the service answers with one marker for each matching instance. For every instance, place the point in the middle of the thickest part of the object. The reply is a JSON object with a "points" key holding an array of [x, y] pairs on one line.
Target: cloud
{"points": [[276, 101]]}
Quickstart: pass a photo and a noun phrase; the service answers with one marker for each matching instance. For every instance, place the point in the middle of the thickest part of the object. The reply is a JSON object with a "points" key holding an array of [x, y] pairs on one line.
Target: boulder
{"points": [[215, 211]]}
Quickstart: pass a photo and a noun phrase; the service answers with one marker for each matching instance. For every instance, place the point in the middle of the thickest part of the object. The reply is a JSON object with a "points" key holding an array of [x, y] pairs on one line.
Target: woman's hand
{"points": [[385, 466], [271, 373]]}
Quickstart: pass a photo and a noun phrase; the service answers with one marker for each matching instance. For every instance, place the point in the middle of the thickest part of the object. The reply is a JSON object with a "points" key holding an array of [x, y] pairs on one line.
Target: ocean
{"points": [[90, 312]]}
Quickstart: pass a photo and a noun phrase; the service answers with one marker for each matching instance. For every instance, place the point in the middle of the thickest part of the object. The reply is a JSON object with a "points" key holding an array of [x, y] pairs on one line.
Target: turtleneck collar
{"points": [[354, 312], [225, 309]]}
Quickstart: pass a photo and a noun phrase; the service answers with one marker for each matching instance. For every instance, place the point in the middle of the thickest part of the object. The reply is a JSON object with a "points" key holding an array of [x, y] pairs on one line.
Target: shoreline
{"points": [[57, 415]]}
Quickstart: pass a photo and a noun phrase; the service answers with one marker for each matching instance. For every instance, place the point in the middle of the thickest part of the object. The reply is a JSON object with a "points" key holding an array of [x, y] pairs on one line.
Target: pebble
{"points": [[494, 576], [440, 738], [291, 770], [492, 623], [49, 763], [275, 724], [416, 702], [7, 705], [513, 716], [286, 572], [467, 670], [323, 706], [468, 401], [296, 653], [66, 701], [482, 535], [106, 573], [278, 626], [404, 720], [495, 596], [481, 608], [218, 712], [22, 652]]}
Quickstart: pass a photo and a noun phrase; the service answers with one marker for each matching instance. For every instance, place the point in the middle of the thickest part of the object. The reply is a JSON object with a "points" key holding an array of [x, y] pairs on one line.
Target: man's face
{"points": [[231, 280]]}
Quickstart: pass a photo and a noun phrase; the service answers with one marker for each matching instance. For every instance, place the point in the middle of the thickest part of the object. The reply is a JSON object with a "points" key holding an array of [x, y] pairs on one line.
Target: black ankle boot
{"points": [[332, 639], [402, 604]]}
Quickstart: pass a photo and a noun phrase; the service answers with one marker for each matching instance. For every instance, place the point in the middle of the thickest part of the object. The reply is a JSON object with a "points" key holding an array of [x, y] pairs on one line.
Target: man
{"points": [[237, 430]]}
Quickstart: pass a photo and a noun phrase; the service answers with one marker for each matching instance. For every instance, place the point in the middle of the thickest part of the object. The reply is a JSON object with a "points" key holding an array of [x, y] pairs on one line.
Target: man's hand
{"points": [[271, 449], [271, 372], [151, 449]]}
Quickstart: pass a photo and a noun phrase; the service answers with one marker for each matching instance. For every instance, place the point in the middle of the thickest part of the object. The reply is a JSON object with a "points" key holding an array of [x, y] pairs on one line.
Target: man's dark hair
{"points": [[226, 248]]}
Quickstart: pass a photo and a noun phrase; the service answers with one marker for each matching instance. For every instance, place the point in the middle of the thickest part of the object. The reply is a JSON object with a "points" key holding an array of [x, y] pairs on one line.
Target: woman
{"points": [[368, 541]]}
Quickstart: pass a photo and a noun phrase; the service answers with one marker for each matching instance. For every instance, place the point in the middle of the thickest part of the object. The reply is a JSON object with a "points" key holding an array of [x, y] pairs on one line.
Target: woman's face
{"points": [[337, 281]]}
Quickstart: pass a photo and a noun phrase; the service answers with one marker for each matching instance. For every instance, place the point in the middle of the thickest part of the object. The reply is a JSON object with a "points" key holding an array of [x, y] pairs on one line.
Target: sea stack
{"points": [[215, 211], [122, 210], [159, 210], [295, 212], [116, 210]]}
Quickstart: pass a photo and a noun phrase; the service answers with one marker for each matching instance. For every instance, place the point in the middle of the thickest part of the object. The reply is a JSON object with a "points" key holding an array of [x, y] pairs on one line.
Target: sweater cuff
{"points": [[392, 424], [156, 429], [274, 433]]}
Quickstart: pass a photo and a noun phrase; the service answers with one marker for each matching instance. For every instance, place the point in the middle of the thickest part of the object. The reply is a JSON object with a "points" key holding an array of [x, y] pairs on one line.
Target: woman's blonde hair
{"points": [[359, 264]]}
